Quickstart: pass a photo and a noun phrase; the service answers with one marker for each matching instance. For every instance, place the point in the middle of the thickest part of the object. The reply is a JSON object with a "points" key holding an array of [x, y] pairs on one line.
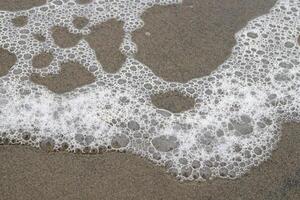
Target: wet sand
{"points": [[29, 173], [190, 40], [173, 101], [7, 60], [72, 75], [16, 5]]}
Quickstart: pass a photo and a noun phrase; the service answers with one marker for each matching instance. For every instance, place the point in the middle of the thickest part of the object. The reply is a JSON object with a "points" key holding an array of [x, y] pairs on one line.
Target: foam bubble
{"points": [[234, 125]]}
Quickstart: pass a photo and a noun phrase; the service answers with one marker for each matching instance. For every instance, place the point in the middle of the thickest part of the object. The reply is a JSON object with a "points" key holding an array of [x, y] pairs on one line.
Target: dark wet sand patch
{"points": [[105, 39], [182, 42], [63, 38], [7, 60], [42, 60], [33, 174], [173, 101], [84, 1], [71, 76], [15, 5], [20, 21], [39, 37], [80, 22]]}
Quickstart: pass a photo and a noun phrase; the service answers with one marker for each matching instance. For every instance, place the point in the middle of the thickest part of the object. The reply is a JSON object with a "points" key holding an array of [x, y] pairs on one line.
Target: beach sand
{"points": [[29, 173], [190, 40]]}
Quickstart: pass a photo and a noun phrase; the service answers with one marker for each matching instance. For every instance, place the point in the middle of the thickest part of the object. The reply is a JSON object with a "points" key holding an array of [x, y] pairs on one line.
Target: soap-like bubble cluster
{"points": [[234, 125]]}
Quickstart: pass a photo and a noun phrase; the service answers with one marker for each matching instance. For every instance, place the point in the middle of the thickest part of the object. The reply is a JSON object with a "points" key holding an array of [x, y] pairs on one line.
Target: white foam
{"points": [[232, 129]]}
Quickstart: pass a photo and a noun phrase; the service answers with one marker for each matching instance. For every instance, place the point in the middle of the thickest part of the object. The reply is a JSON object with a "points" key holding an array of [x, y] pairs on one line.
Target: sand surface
{"points": [[173, 101], [105, 39], [42, 60], [190, 40], [7, 60], [28, 173], [16, 5], [72, 75]]}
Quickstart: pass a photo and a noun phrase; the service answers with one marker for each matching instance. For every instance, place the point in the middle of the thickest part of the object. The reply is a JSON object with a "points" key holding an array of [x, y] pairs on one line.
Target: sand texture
{"points": [[71, 76], [7, 60], [174, 42], [16, 5], [190, 40], [173, 101], [28, 173]]}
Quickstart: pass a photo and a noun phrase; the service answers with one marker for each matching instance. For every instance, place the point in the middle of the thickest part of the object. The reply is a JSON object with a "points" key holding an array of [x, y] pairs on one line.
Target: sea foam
{"points": [[234, 125]]}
